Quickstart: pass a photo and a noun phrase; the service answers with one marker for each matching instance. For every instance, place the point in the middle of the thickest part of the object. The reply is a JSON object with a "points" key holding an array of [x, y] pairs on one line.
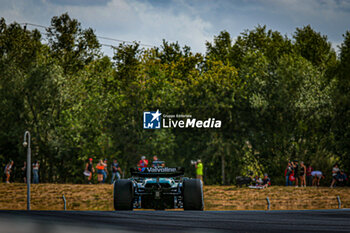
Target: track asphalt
{"points": [[175, 221]]}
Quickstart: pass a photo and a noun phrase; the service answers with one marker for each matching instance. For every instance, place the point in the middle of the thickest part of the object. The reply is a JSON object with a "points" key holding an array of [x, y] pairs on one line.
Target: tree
{"points": [[341, 101], [71, 45], [314, 47]]}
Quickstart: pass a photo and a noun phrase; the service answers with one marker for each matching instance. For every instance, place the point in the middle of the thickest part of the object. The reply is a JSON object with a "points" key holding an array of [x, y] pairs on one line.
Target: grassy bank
{"points": [[99, 197]]}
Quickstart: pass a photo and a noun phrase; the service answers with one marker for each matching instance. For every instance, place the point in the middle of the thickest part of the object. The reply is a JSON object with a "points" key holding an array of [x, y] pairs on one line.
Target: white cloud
{"points": [[144, 22], [188, 22], [122, 19]]}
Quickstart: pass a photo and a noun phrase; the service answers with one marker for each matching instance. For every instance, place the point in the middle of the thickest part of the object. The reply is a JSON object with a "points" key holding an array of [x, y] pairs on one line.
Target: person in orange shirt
{"points": [[8, 170], [100, 170]]}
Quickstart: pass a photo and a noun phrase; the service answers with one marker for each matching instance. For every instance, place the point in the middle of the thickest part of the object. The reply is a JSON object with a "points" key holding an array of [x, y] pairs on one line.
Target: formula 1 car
{"points": [[158, 188]]}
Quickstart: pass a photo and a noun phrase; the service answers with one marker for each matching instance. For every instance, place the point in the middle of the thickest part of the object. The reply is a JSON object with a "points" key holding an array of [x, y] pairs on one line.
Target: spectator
{"points": [[266, 182], [287, 173], [36, 167], [8, 170], [341, 178], [89, 170], [143, 162], [309, 169], [116, 171], [302, 174], [335, 172], [296, 172], [155, 161], [317, 176], [24, 172], [100, 170], [199, 170], [257, 181], [105, 171]]}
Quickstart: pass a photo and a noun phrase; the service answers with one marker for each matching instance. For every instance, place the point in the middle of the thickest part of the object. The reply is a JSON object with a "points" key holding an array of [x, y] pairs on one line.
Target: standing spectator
{"points": [[143, 162], [8, 170], [287, 173], [155, 161], [105, 171], [100, 168], [302, 174], [89, 170], [199, 170], [335, 172], [309, 169], [296, 172], [24, 172], [36, 167], [116, 171]]}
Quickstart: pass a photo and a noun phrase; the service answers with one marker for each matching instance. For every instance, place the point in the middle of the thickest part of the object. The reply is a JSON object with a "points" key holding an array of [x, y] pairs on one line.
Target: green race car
{"points": [[158, 188]]}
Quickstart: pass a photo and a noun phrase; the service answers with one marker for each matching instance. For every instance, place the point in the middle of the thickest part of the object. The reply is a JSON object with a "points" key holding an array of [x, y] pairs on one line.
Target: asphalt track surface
{"points": [[175, 221]]}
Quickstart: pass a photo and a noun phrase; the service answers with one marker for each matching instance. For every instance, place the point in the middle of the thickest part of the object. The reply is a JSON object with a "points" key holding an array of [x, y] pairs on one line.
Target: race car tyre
{"points": [[193, 194], [123, 195]]}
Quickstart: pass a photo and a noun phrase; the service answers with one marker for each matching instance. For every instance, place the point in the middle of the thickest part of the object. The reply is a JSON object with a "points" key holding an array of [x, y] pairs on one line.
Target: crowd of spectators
{"points": [[296, 174], [9, 167], [102, 171], [305, 175], [259, 183]]}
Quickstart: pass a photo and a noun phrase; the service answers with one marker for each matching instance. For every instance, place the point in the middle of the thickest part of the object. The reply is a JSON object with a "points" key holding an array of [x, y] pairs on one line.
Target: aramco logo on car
{"points": [[152, 120]]}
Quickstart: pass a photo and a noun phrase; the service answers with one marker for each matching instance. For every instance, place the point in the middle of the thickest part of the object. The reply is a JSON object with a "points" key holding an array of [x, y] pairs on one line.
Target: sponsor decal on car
{"points": [[158, 169], [141, 169]]}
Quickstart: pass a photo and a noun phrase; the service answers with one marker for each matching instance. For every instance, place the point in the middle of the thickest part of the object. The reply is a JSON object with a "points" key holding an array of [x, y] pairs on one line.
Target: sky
{"points": [[189, 22]]}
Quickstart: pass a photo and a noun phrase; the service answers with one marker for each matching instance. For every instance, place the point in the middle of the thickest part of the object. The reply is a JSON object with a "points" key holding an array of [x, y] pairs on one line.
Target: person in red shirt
{"points": [[143, 162], [309, 169]]}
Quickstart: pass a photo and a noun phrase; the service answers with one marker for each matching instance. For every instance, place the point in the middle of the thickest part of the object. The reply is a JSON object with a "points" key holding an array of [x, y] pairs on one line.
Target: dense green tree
{"points": [[341, 101], [277, 99], [314, 47], [71, 45]]}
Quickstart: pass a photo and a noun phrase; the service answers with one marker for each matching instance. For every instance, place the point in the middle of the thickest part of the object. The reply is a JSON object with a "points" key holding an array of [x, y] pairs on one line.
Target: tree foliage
{"points": [[278, 99]]}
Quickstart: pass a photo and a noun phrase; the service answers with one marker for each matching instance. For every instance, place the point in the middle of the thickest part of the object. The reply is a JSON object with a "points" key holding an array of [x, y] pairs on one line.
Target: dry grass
{"points": [[281, 198], [99, 197]]}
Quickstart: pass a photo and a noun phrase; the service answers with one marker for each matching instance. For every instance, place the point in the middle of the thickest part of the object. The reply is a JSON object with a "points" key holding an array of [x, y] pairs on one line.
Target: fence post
{"points": [[339, 202], [268, 203], [64, 202]]}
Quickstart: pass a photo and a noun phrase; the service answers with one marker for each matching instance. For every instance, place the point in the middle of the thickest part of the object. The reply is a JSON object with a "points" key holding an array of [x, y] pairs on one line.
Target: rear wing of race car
{"points": [[157, 171]]}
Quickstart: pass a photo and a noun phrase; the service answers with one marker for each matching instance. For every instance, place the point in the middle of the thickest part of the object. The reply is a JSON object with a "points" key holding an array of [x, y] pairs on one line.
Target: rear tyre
{"points": [[123, 195], [193, 194]]}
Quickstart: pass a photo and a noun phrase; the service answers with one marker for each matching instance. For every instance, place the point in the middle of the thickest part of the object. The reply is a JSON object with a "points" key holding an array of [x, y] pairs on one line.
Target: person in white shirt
{"points": [[335, 172], [317, 176], [36, 166]]}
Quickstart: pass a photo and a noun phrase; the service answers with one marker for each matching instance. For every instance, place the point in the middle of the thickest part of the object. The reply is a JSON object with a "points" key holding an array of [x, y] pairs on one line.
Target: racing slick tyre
{"points": [[193, 194], [123, 195]]}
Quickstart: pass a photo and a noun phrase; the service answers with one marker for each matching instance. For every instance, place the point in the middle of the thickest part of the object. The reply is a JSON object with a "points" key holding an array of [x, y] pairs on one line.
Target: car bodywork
{"points": [[158, 188]]}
